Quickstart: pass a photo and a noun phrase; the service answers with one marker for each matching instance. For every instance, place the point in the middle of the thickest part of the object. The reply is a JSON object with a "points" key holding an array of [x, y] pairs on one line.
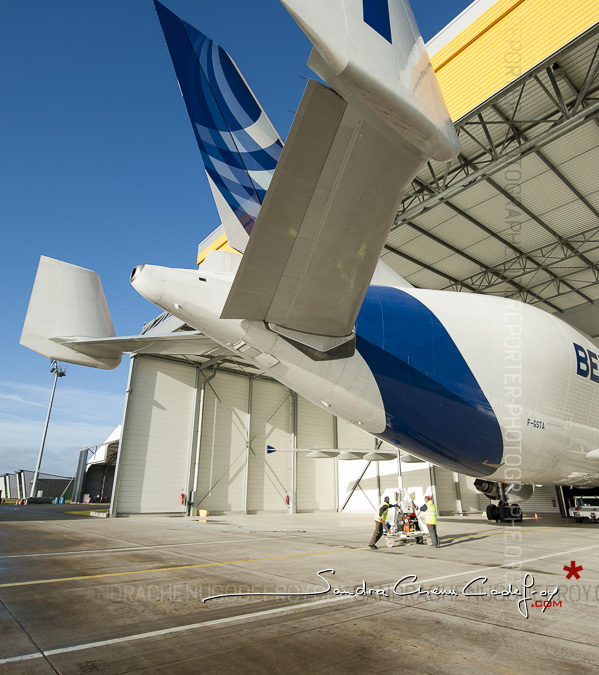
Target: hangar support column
{"points": [[248, 445], [119, 459], [293, 500], [458, 492], [431, 472], [194, 461]]}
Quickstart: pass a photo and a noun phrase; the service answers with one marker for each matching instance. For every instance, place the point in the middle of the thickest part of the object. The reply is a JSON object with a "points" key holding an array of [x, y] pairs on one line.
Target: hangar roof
{"points": [[517, 213]]}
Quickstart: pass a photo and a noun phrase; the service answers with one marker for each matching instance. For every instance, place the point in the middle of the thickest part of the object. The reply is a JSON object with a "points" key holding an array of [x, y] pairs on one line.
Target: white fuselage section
{"points": [[523, 360]]}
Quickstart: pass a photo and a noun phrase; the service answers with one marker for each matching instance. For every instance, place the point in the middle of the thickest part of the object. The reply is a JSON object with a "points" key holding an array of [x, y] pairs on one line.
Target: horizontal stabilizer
{"points": [[67, 301], [190, 343], [324, 220], [342, 454], [68, 320], [371, 53]]}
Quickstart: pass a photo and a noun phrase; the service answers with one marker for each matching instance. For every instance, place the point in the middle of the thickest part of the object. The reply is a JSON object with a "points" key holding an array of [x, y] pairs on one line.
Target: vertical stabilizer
{"points": [[67, 302], [239, 145]]}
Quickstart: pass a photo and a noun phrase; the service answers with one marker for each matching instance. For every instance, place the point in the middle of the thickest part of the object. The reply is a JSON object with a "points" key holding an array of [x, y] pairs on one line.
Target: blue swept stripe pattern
{"points": [[434, 406], [239, 147]]}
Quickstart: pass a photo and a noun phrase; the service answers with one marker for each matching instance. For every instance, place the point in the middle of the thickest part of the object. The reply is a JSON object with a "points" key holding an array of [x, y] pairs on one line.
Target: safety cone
{"points": [[536, 516]]}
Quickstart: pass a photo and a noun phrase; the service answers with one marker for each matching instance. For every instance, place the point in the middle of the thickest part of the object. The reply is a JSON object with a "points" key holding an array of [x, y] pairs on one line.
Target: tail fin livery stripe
{"points": [[239, 145]]}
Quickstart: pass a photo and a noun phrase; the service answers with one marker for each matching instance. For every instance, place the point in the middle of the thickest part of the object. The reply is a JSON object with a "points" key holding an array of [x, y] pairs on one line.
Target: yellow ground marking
{"points": [[86, 513], [83, 577], [172, 569]]}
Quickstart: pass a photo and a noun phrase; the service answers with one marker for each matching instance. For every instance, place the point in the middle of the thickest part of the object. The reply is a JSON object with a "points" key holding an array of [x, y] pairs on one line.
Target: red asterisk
{"points": [[573, 570]]}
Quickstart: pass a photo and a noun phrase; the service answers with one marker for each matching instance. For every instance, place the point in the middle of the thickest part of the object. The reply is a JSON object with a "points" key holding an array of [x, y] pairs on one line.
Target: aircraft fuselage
{"points": [[483, 385]]}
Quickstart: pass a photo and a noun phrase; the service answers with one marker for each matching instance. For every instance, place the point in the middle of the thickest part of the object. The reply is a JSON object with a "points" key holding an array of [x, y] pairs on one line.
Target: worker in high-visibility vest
{"points": [[379, 522], [430, 518]]}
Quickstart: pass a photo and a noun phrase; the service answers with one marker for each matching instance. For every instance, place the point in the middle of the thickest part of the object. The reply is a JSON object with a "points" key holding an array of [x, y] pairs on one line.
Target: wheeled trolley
{"points": [[405, 530]]}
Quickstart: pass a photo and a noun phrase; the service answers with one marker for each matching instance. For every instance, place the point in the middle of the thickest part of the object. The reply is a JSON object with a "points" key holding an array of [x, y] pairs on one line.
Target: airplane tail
{"points": [[239, 145], [67, 301], [351, 151]]}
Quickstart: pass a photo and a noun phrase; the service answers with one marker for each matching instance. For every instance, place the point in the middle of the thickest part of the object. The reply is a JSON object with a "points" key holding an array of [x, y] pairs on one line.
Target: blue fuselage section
{"points": [[434, 405]]}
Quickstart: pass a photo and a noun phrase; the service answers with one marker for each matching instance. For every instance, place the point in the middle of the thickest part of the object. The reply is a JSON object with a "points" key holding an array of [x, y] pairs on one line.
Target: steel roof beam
{"points": [[428, 267], [493, 166], [548, 67], [568, 115], [457, 284], [592, 73], [586, 237], [589, 263], [484, 268], [541, 155], [505, 242]]}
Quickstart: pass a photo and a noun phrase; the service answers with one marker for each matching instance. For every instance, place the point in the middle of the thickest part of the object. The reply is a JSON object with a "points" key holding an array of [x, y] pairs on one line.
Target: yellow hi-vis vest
{"points": [[383, 518], [430, 515]]}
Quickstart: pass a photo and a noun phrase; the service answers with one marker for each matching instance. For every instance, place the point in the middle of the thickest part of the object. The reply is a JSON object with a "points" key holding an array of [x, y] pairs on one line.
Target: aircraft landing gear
{"points": [[504, 511]]}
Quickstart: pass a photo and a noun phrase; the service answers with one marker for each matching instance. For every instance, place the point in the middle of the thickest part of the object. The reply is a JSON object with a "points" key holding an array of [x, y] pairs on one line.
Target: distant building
{"points": [[94, 478], [18, 485]]}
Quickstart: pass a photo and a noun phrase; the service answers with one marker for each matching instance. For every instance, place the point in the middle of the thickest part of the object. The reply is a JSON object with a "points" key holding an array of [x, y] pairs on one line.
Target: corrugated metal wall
{"points": [[270, 473], [316, 483], [472, 500], [221, 484], [543, 500], [235, 473], [157, 438]]}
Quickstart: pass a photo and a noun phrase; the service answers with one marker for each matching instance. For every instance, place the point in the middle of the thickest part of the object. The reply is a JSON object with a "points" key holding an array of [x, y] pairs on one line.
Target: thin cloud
{"points": [[19, 399], [80, 418]]}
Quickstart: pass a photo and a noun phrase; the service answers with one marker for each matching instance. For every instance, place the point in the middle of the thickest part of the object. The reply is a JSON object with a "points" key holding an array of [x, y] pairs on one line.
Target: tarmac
{"points": [[298, 594]]}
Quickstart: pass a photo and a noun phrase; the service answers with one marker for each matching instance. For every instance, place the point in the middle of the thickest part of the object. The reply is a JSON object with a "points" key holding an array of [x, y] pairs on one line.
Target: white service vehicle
{"points": [[585, 508]]}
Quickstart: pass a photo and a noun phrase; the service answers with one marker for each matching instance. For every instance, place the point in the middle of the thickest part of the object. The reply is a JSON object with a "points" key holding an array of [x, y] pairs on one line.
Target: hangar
{"points": [[17, 485], [516, 215]]}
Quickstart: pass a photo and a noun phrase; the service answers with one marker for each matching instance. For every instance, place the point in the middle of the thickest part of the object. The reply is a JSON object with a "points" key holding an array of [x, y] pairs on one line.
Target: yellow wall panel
{"points": [[220, 244], [510, 38]]}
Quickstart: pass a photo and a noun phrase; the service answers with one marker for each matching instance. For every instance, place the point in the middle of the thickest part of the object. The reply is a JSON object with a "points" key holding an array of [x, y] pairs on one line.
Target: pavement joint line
{"points": [[35, 582], [168, 631], [28, 634], [205, 624], [149, 547], [142, 547]]}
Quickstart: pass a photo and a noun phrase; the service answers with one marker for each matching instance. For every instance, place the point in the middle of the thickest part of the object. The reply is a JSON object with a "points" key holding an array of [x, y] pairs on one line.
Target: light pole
{"points": [[58, 371]]}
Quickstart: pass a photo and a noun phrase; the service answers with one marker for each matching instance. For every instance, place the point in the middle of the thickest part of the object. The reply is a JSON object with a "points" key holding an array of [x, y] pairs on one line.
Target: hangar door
{"points": [[316, 478], [157, 437], [543, 500], [223, 444], [242, 416], [269, 481]]}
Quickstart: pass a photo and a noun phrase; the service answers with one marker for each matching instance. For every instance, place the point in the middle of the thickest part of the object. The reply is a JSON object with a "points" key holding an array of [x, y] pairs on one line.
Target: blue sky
{"points": [[100, 168]]}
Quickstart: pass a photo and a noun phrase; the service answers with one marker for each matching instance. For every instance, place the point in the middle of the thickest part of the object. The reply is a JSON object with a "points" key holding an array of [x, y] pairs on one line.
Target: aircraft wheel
{"points": [[492, 512], [516, 512]]}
